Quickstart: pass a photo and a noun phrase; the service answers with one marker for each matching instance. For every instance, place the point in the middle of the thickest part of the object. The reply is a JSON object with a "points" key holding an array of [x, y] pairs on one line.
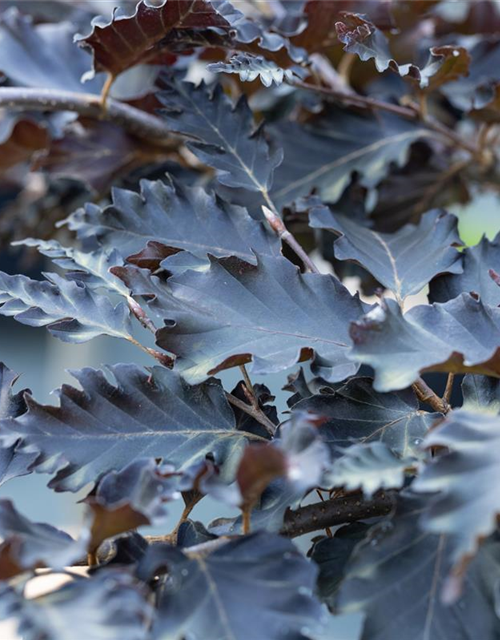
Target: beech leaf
{"points": [[477, 261], [70, 310], [174, 216], [369, 467], [460, 336], [12, 463], [227, 138], [403, 262], [107, 426], [323, 155], [126, 40], [467, 504], [28, 545], [250, 67], [110, 604], [130, 498], [203, 596], [380, 568], [356, 413], [270, 315]]}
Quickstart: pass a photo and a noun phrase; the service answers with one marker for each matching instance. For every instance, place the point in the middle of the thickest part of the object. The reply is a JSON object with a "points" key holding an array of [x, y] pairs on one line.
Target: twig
{"points": [[427, 395], [278, 226], [331, 513], [248, 386], [257, 414], [364, 102], [449, 388], [141, 315], [135, 121]]}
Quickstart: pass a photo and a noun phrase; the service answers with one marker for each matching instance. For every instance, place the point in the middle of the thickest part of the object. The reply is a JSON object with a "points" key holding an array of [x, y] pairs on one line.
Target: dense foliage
{"points": [[246, 146]]}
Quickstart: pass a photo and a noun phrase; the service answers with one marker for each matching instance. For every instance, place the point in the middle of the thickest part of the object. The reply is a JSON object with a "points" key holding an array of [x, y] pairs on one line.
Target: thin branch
{"points": [[248, 387], [427, 395], [449, 388], [278, 226], [256, 414], [134, 121], [336, 511], [364, 102]]}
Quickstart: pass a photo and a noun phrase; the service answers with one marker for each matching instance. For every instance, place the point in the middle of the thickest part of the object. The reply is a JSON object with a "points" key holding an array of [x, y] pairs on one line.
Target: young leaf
{"points": [[130, 498], [110, 604], [477, 261], [362, 38], [460, 336], [400, 564], [206, 597], [125, 41], [270, 315], [28, 545], [227, 138], [356, 413], [105, 427], [468, 504], [12, 463], [369, 467], [403, 262], [183, 218], [249, 67], [70, 311], [324, 155]]}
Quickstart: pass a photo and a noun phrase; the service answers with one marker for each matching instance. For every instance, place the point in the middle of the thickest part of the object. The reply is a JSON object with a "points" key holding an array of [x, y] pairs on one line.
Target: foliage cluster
{"points": [[245, 147]]}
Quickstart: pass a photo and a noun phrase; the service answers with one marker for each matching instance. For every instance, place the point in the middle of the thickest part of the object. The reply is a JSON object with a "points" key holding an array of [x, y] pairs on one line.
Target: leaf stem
{"points": [[259, 415], [278, 226]]}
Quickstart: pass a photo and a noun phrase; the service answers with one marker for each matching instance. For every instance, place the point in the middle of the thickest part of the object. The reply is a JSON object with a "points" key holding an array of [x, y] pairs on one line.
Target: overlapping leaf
{"points": [[462, 335], [477, 261], [332, 555], [110, 604], [227, 138], [467, 504], [91, 268], [400, 564], [481, 393], [42, 56], [132, 497], [183, 218], [105, 427], [27, 545], [270, 315], [254, 587], [404, 261], [323, 155], [12, 463], [356, 413], [70, 310], [369, 467]]}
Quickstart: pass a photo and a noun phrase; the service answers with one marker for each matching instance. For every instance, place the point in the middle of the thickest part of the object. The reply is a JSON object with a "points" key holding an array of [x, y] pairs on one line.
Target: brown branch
{"points": [[336, 511], [411, 113], [134, 121], [449, 388], [257, 414], [427, 395], [278, 226]]}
